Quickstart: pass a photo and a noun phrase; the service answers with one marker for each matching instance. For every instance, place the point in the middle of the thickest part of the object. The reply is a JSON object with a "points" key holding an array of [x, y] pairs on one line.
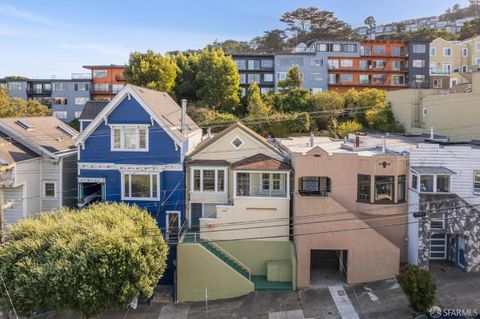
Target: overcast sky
{"points": [[56, 37]]}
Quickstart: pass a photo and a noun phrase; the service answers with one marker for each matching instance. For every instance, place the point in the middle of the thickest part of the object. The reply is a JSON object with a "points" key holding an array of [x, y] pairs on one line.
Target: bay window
{"points": [[363, 188], [426, 183], [129, 138], [314, 186], [443, 184], [208, 179], [401, 183], [384, 186], [140, 186]]}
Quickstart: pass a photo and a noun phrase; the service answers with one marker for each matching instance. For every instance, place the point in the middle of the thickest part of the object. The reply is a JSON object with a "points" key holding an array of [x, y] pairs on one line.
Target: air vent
{"points": [[25, 125]]}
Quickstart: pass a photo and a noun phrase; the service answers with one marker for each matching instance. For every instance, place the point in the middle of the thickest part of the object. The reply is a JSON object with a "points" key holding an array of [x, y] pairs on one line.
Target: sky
{"points": [[45, 38]]}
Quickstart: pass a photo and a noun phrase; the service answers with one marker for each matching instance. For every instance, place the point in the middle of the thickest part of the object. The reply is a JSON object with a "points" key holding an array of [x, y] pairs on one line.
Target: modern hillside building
{"points": [[133, 152], [238, 210], [312, 60], [65, 97], [107, 80], [257, 68], [388, 65]]}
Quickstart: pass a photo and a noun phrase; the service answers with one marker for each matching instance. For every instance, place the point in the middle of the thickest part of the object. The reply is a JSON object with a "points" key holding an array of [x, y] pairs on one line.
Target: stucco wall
{"points": [[249, 218], [198, 269], [326, 226]]}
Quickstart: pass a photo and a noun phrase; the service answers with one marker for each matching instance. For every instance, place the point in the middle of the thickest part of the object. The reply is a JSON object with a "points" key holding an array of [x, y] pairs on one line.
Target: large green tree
{"points": [[293, 80], [186, 85], [152, 70], [273, 41], [305, 24], [100, 258], [231, 46], [218, 80], [16, 107], [470, 29]]}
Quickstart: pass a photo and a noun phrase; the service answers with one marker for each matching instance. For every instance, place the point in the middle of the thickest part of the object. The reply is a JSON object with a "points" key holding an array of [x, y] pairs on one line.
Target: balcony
{"points": [[261, 184]]}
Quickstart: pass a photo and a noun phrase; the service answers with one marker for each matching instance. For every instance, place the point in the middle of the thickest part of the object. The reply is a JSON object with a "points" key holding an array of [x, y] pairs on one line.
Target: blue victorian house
{"points": [[133, 151]]}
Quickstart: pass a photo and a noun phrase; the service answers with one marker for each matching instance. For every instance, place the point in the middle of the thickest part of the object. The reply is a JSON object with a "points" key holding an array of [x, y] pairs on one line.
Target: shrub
{"points": [[348, 127], [281, 124], [419, 287]]}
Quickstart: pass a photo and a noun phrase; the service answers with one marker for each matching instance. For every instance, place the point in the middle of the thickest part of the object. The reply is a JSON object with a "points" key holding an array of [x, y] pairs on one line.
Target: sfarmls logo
{"points": [[437, 312]]}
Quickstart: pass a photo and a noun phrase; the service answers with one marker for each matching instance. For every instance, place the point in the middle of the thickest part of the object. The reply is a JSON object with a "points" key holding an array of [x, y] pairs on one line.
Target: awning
{"points": [[432, 170]]}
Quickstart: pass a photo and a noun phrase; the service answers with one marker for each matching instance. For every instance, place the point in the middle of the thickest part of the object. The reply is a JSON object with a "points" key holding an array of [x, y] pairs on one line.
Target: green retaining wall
{"points": [[198, 268]]}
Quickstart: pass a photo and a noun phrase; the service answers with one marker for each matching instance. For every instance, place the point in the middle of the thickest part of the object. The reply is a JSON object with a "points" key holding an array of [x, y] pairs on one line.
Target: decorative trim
{"points": [[131, 167], [237, 147], [99, 180]]}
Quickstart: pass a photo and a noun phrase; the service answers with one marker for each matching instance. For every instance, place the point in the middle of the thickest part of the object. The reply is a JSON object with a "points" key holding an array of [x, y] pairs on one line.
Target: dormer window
{"points": [[129, 138]]}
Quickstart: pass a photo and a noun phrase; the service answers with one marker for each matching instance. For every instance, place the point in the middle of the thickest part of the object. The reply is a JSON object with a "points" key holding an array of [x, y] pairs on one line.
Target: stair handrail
{"points": [[232, 257]]}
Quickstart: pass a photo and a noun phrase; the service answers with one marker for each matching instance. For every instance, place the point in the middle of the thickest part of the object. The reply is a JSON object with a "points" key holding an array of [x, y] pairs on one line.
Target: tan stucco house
{"points": [[238, 210], [349, 207]]}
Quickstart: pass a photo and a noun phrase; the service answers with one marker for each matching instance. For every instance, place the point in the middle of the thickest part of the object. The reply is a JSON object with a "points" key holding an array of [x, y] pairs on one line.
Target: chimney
{"points": [[209, 132], [384, 144], [184, 115], [432, 136], [312, 139], [357, 140]]}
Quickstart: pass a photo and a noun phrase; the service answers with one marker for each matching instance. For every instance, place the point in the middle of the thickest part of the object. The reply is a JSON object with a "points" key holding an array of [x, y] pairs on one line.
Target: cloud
{"points": [[9, 10]]}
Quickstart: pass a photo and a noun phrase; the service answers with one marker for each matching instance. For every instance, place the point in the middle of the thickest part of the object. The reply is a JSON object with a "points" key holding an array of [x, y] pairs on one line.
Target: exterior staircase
{"points": [[220, 253]]}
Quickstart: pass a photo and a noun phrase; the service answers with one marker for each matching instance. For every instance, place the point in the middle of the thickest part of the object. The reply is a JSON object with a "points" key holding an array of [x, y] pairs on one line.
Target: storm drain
{"points": [[344, 306]]}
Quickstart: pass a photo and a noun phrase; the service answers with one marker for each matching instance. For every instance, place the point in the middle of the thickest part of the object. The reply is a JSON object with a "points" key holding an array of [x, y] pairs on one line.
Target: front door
{"points": [[196, 212], [461, 251], [173, 225]]}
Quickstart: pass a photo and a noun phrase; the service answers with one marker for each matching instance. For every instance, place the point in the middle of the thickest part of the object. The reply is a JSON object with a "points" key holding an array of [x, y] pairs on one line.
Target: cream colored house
{"points": [[451, 113], [238, 210], [448, 56], [473, 50]]}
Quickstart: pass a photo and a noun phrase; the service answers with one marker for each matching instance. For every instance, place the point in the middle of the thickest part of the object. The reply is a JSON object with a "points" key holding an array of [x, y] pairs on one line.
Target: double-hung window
{"points": [[209, 179], [363, 188], [138, 186], [129, 138]]}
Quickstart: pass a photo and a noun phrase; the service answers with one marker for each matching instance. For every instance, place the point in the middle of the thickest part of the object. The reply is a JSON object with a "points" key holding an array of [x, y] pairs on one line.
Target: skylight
{"points": [[67, 130], [25, 124]]}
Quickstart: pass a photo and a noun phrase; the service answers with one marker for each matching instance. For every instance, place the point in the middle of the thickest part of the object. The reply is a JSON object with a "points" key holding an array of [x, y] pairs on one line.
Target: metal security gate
{"points": [[438, 246]]}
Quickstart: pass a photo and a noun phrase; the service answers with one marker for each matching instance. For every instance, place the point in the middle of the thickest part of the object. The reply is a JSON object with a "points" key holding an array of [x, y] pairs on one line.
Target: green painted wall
{"points": [[198, 268], [255, 253]]}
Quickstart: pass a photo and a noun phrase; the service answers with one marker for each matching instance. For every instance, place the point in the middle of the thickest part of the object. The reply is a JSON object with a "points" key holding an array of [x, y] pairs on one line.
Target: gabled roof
{"points": [[92, 109], [43, 135], [260, 162], [232, 127], [161, 107]]}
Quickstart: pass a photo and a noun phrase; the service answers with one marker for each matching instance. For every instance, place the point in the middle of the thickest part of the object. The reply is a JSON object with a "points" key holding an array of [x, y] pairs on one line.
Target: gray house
{"points": [[38, 158], [312, 60], [66, 97]]}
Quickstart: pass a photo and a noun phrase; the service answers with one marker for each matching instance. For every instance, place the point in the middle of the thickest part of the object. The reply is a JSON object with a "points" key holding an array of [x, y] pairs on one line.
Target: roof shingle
{"points": [[259, 162]]}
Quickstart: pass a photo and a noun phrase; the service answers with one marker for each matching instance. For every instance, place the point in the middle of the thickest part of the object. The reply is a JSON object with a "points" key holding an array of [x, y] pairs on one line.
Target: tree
{"points": [[293, 80], [470, 29], [271, 42], [15, 78], [186, 85], [102, 257], [255, 105], [348, 127], [218, 80], [231, 46], [305, 24], [152, 70], [16, 107], [330, 104], [419, 287], [475, 4], [370, 22]]}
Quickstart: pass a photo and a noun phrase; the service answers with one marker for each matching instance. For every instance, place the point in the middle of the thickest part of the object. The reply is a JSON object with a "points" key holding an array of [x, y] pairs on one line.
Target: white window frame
{"points": [[477, 60], [208, 168], [122, 137], [167, 228], [44, 189], [445, 64], [234, 146], [416, 65], [346, 63], [268, 74], [476, 191], [445, 50], [317, 77], [464, 52], [433, 51], [63, 113], [477, 46], [151, 198], [96, 72], [287, 184]]}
